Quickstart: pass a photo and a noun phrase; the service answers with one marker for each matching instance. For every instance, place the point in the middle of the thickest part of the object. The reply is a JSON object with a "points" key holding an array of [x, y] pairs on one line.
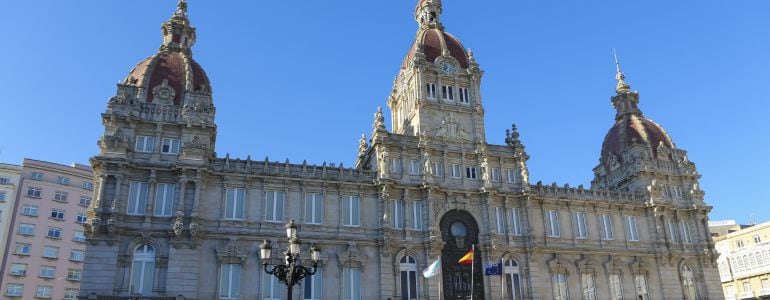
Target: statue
{"points": [[426, 164], [384, 162]]}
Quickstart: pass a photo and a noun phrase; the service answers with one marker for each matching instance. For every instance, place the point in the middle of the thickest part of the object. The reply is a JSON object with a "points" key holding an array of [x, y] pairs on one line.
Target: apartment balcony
{"points": [[730, 297], [744, 295], [764, 292]]}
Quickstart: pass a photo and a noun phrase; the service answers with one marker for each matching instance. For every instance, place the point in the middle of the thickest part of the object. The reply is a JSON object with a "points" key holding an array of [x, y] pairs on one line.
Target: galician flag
{"points": [[432, 270], [467, 258]]}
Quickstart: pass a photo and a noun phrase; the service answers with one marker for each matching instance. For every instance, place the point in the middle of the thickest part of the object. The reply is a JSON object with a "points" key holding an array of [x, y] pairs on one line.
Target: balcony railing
{"points": [[764, 292], [95, 297], [747, 295]]}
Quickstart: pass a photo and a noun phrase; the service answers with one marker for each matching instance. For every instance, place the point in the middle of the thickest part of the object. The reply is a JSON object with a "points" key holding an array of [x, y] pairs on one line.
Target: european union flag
{"points": [[494, 269]]}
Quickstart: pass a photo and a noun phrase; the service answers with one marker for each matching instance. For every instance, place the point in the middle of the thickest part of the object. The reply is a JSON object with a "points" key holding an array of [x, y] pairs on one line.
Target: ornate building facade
{"points": [[172, 219]]}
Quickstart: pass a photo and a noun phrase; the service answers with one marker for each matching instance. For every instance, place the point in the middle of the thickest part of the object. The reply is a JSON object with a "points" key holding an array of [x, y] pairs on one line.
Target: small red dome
{"points": [[433, 43], [177, 68], [632, 130]]}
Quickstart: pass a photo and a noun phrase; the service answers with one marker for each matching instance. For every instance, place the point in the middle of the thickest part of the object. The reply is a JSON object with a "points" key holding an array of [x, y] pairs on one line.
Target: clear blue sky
{"points": [[301, 79]]}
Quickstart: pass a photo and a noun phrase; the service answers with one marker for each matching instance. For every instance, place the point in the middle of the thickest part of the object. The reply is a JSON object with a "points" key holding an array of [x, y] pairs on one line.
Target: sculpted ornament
{"points": [[362, 145], [379, 121], [163, 93], [451, 130], [384, 162]]}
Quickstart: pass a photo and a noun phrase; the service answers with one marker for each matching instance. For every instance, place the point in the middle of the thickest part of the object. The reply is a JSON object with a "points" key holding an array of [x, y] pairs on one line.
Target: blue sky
{"points": [[301, 79]]}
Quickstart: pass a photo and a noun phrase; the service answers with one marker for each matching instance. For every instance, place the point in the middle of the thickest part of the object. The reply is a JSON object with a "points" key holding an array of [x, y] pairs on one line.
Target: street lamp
{"points": [[292, 271]]}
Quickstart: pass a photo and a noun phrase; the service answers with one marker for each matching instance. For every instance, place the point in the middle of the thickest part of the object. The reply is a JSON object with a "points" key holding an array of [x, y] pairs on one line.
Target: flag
{"points": [[494, 269], [432, 270], [467, 258]]}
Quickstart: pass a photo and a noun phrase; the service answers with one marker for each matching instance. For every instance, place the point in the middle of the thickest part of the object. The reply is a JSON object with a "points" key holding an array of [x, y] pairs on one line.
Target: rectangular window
{"points": [[47, 271], [43, 291], [51, 252], [85, 201], [74, 274], [23, 249], [57, 214], [664, 192], [71, 294], [553, 223], [36, 176], [464, 97], [560, 286], [2, 196], [589, 286], [470, 172], [500, 220], [63, 180], [88, 186], [739, 244], [677, 191], [511, 174], [438, 169], [235, 203], [164, 199], [34, 192], [414, 167], [77, 255], [456, 171], [81, 218], [14, 290], [30, 210], [417, 215], [395, 165], [516, 221], [447, 92], [496, 174], [79, 236], [746, 287], [60, 196], [607, 231], [27, 229], [145, 144], [170, 146], [431, 90], [313, 287], [18, 270], [230, 281], [765, 284], [616, 287], [581, 231], [642, 292], [350, 211], [671, 230], [757, 239], [137, 198], [272, 289], [686, 238], [633, 232], [274, 203], [54, 232], [351, 283], [4, 180], [314, 208], [398, 214]]}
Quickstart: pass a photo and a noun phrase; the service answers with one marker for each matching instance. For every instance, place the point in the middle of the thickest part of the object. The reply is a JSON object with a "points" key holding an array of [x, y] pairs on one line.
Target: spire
{"points": [[622, 86], [427, 13], [178, 34], [181, 9], [625, 102]]}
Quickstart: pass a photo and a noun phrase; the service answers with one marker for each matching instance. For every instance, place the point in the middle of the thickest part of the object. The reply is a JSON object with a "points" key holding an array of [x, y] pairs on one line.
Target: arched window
{"points": [[142, 270], [512, 274], [688, 283], [408, 268]]}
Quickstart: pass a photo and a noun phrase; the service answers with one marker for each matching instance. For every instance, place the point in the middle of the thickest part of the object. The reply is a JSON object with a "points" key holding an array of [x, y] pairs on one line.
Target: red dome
{"points": [[632, 130], [177, 68], [433, 43]]}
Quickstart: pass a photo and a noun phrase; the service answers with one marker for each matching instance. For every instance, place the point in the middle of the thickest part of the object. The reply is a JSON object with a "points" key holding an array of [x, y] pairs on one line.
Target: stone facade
{"points": [[171, 218], [744, 260]]}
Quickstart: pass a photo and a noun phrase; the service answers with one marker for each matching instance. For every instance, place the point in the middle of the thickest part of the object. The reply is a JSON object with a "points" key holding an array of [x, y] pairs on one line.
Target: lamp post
{"points": [[291, 271]]}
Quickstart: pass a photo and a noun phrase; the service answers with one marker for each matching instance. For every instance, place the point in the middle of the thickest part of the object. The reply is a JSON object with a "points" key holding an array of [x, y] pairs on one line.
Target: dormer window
{"points": [[464, 97], [431, 90], [447, 92]]}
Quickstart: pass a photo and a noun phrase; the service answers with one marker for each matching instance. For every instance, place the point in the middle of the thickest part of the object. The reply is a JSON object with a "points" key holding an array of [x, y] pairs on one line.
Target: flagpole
{"points": [[473, 261], [440, 280], [502, 280]]}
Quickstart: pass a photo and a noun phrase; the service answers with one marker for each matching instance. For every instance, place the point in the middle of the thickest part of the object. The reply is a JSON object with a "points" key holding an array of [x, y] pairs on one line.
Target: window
{"points": [[27, 229], [2, 196], [665, 192], [511, 272], [671, 230], [30, 210], [447, 92], [142, 270], [633, 232], [274, 209], [81, 218], [313, 287], [765, 284], [79, 236], [85, 201], [398, 214], [23, 249], [36, 176], [515, 221], [145, 143], [686, 238], [71, 294], [642, 292], [581, 231], [464, 96], [470, 172], [230, 281], [272, 289], [51, 252], [5, 180], [57, 214], [351, 283], [560, 286], [54, 232], [350, 213], [757, 239], [16, 290], [500, 220], [438, 169], [431, 90], [43, 291], [235, 203], [553, 223], [395, 165], [607, 231], [74, 274], [137, 198], [88, 185], [688, 283], [456, 171], [47, 271], [18, 269], [77, 255], [60, 196], [164, 199], [616, 287], [747, 287], [408, 271], [496, 174], [677, 191], [170, 146], [589, 286], [314, 208], [34, 192], [414, 167], [417, 215], [739, 244], [63, 180]]}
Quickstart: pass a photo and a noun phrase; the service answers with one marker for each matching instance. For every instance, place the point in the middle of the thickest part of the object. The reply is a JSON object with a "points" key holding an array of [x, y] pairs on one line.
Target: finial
{"points": [[181, 8], [622, 86]]}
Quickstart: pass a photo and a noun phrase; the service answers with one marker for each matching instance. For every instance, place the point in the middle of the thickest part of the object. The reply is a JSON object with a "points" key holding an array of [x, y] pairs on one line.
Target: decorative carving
{"points": [[163, 93], [194, 227], [178, 225], [362, 145], [384, 162], [451, 130], [232, 253], [117, 141], [379, 121], [194, 148]]}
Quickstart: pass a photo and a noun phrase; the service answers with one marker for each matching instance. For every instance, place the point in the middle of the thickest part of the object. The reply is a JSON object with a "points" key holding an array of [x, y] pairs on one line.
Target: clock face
{"points": [[447, 68]]}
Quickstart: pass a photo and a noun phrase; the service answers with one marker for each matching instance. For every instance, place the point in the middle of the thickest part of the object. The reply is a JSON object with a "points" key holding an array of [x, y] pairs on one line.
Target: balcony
{"points": [[747, 295], [764, 292]]}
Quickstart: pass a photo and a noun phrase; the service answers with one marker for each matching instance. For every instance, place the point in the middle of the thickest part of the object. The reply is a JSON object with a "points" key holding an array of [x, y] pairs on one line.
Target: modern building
{"points": [[744, 261], [170, 218], [46, 242], [9, 186]]}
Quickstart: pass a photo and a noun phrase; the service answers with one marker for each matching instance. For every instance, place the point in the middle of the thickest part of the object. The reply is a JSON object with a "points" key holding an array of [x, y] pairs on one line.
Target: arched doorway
{"points": [[459, 231]]}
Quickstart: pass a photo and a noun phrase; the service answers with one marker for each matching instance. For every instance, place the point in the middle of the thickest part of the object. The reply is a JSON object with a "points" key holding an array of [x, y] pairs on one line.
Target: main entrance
{"points": [[459, 231]]}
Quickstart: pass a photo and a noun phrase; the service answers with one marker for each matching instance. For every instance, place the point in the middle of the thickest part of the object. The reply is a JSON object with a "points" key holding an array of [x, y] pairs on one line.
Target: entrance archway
{"points": [[459, 231]]}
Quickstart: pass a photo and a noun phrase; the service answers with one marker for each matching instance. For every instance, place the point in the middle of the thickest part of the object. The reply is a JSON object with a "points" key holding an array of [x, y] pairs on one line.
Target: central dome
{"points": [[175, 69], [634, 130], [434, 43]]}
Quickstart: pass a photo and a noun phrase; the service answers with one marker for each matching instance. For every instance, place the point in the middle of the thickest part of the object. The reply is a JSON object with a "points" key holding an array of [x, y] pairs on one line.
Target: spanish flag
{"points": [[467, 258]]}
